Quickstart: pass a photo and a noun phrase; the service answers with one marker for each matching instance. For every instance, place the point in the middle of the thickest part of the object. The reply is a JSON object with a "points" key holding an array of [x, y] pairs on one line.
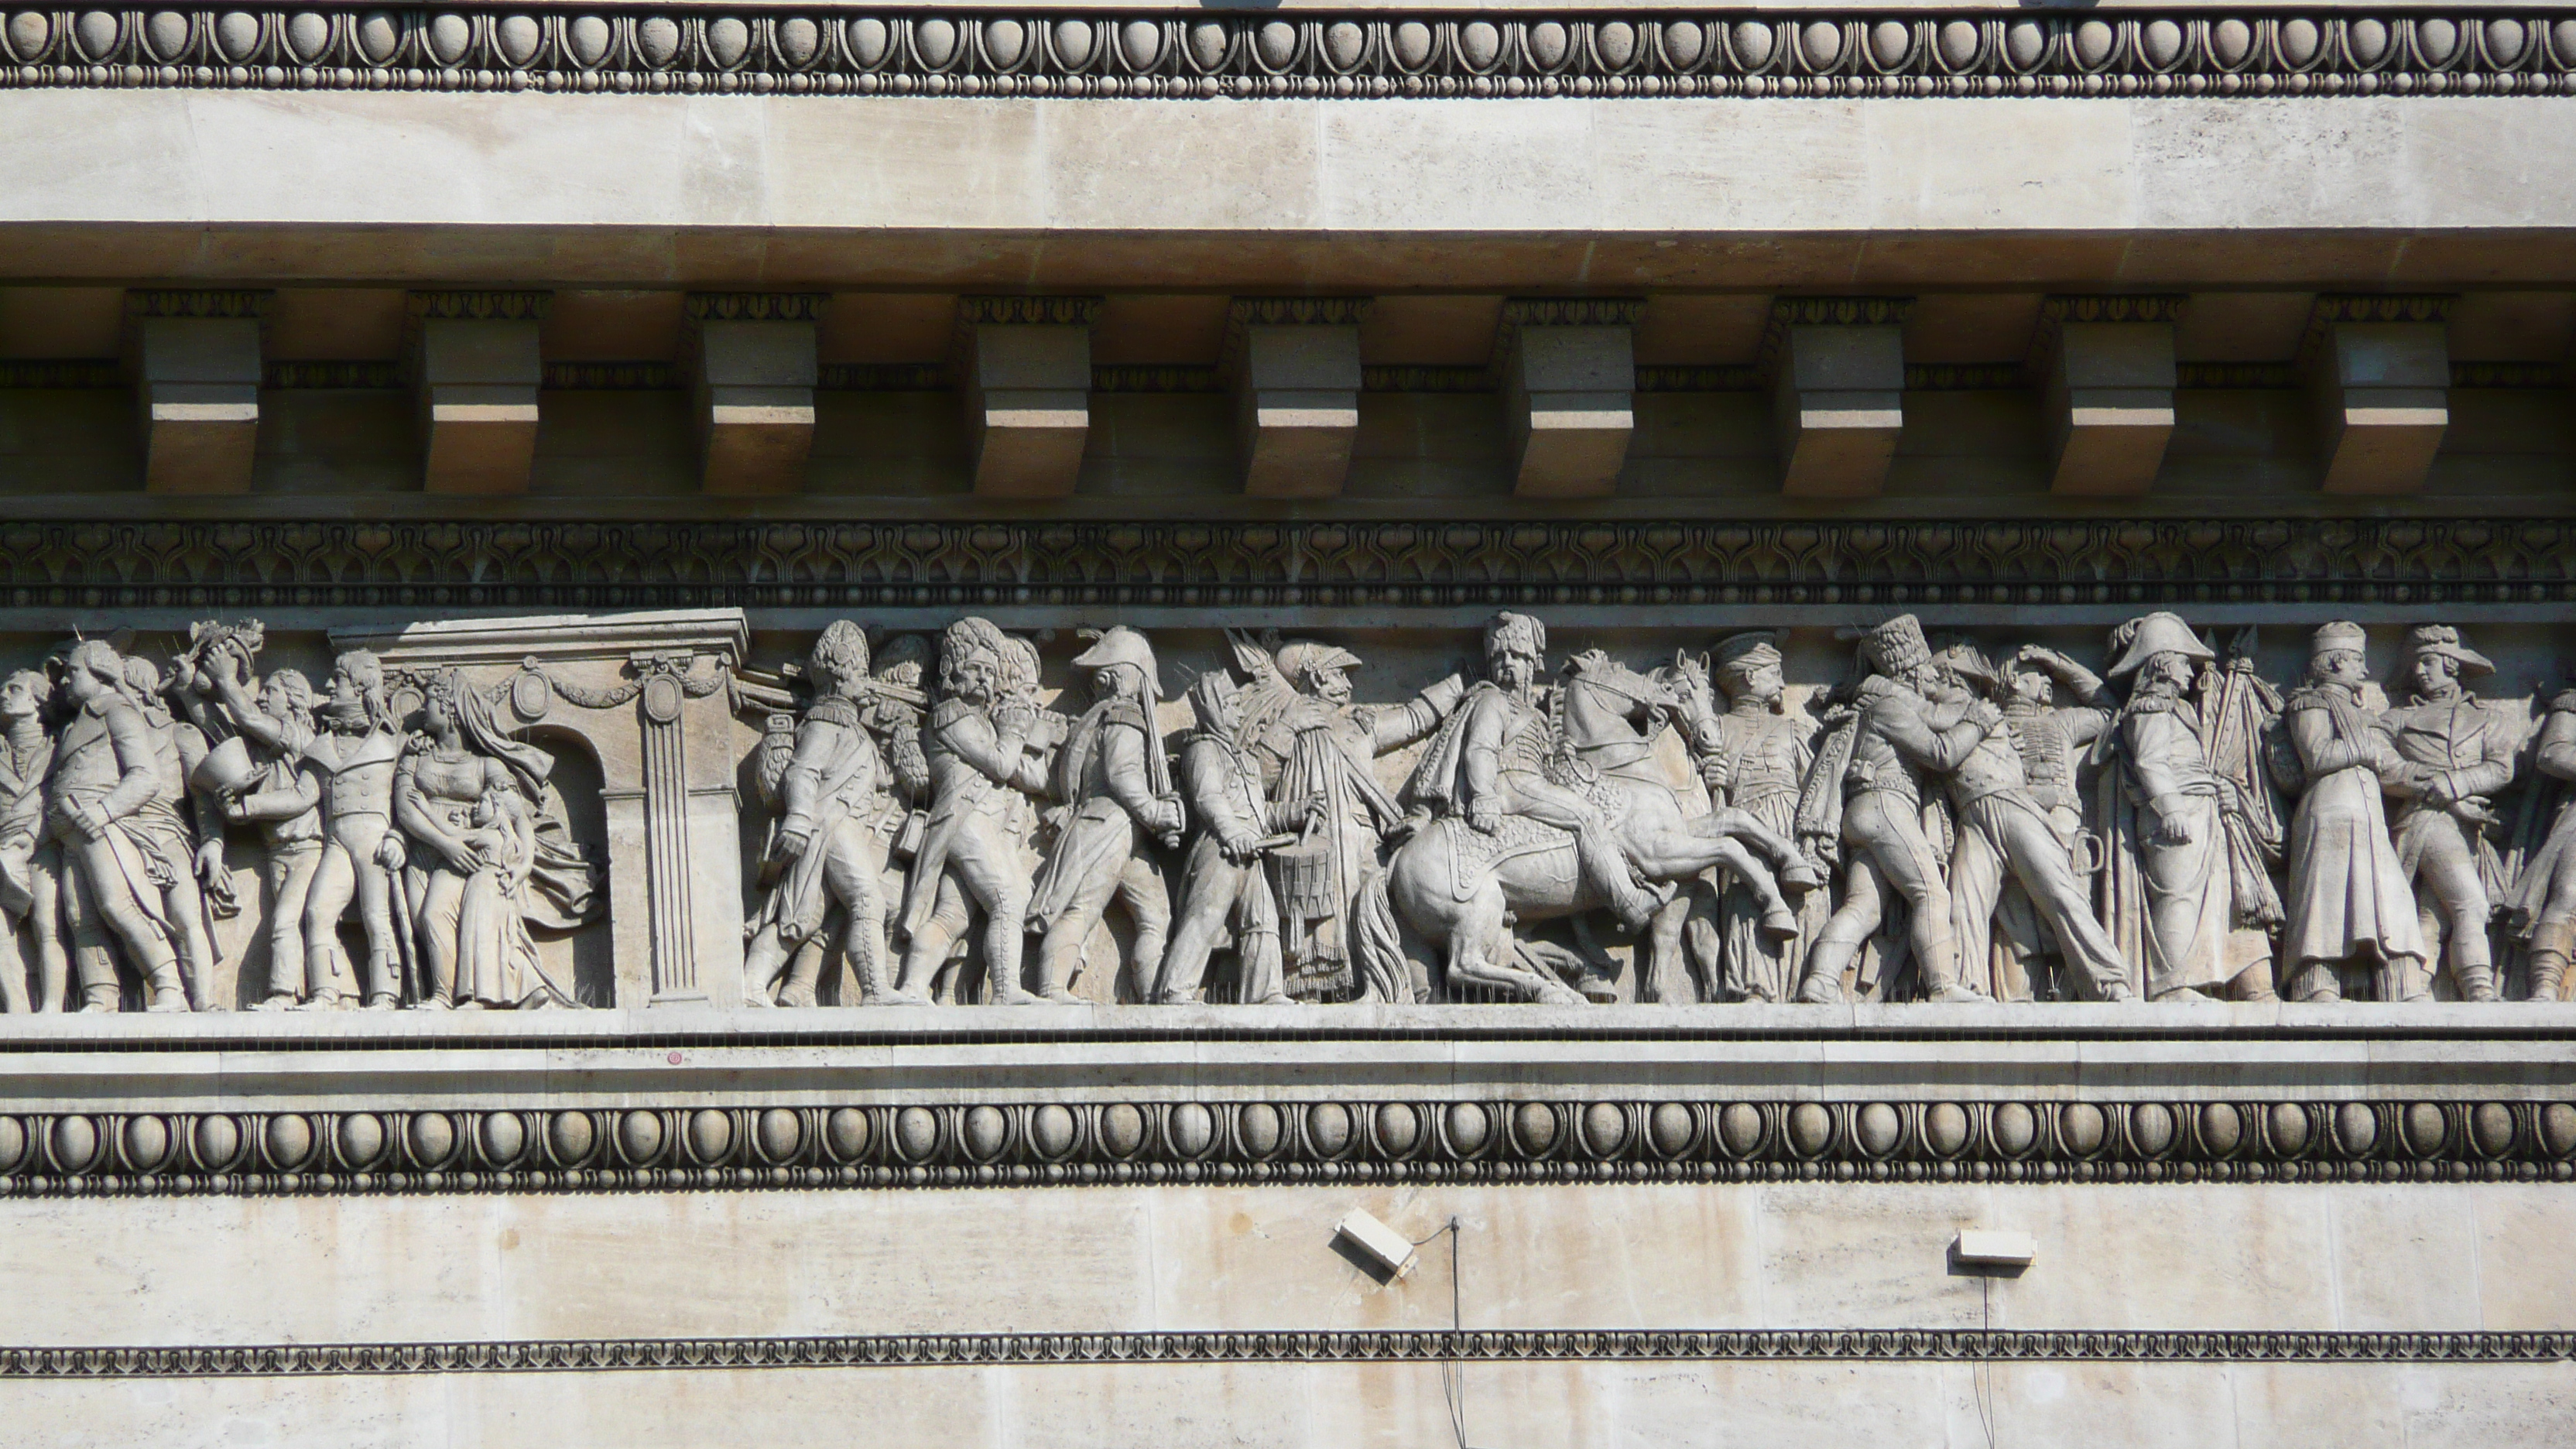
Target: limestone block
{"points": [[1293, 365], [754, 361], [477, 366], [1836, 367], [2110, 383], [2378, 374], [1024, 372], [1569, 376], [196, 360]]}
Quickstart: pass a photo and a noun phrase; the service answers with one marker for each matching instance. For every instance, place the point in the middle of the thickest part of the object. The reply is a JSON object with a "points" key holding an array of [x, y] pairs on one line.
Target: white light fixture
{"points": [[1986, 1248], [1390, 1250]]}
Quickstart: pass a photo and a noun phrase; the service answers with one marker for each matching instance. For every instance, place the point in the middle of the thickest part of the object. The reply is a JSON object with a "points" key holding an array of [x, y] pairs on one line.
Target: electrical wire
{"points": [[1985, 1370], [1453, 1374]]}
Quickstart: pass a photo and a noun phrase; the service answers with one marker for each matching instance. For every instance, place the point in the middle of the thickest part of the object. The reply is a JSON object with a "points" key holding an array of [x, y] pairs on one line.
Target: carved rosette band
{"points": [[943, 1350], [982, 53], [668, 1149], [583, 565]]}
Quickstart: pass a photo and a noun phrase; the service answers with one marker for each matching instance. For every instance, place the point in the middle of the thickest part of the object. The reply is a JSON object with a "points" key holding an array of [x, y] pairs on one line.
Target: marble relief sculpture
{"points": [[1946, 824]]}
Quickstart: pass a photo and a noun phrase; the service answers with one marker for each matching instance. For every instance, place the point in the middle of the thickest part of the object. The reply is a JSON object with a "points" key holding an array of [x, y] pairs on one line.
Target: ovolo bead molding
{"points": [[1827, 53], [685, 1148]]}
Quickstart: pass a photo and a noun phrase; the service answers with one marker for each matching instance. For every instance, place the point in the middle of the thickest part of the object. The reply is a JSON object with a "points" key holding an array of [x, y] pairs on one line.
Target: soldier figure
{"points": [[986, 747], [1753, 757], [357, 752], [2349, 899], [1224, 887], [1500, 757], [1115, 781], [2007, 836], [103, 800], [30, 865], [827, 798], [282, 792], [2544, 898], [2456, 753], [2180, 821], [1867, 793]]}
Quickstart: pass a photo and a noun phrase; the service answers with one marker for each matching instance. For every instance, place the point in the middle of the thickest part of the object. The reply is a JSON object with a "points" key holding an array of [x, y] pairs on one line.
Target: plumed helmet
{"points": [[2443, 640], [2143, 638], [841, 651], [1302, 659], [1895, 648], [1118, 645], [1515, 633]]}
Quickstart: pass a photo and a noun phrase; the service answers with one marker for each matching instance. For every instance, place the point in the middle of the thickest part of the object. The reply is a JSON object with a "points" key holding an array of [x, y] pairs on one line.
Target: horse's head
{"points": [[1691, 679]]}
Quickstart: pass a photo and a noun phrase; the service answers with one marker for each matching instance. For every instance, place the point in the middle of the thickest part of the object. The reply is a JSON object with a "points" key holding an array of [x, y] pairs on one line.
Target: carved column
{"points": [[2108, 365], [752, 368], [1568, 368], [1835, 367], [475, 362], [1024, 374], [195, 358], [2378, 372], [665, 676], [1293, 365]]}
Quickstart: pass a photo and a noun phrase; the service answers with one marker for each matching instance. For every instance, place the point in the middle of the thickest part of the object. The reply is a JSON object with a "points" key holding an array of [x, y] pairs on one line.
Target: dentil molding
{"points": [[1826, 53]]}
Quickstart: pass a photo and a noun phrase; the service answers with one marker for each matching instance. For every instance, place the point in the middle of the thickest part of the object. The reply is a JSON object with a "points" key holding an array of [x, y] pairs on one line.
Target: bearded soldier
{"points": [[1500, 757], [1224, 887], [100, 803], [2182, 856], [2457, 753], [827, 798], [1867, 793], [987, 746], [1115, 781], [2007, 837]]}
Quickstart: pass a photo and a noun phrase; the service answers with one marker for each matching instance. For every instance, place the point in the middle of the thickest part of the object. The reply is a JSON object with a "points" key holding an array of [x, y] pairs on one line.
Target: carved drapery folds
{"points": [[579, 810]]}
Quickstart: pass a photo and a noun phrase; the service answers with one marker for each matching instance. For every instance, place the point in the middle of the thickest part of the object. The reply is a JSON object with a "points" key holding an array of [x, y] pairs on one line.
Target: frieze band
{"points": [[1285, 1346], [1232, 565], [1073, 1143], [1369, 54]]}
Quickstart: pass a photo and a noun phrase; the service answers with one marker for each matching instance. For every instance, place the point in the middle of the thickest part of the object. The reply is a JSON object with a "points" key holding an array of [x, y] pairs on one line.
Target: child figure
{"points": [[497, 964]]}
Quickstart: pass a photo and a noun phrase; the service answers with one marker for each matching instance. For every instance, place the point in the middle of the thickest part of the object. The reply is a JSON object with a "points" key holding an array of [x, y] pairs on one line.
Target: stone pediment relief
{"points": [[643, 809]]}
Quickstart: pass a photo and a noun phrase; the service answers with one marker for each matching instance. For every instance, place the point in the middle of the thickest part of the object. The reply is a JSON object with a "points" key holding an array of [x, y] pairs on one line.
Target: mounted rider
{"points": [[1499, 755]]}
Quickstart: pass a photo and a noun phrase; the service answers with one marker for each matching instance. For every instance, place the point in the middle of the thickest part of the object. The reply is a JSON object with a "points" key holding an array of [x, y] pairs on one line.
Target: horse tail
{"points": [[1377, 944]]}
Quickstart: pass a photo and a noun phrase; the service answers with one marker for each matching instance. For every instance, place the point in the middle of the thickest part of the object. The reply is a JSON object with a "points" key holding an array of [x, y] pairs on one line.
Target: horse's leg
{"points": [[1744, 825], [1777, 917]]}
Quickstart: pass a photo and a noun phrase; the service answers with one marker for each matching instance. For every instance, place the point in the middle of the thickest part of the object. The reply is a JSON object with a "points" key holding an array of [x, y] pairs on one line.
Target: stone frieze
{"points": [[1828, 53]]}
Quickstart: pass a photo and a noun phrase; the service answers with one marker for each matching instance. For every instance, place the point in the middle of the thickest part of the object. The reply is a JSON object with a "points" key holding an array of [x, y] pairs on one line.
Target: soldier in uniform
{"points": [[2457, 753], [827, 798], [105, 782], [1224, 887], [1753, 757], [2007, 836], [283, 795], [30, 874], [2050, 738], [1498, 758], [1868, 793], [2544, 898], [1116, 783], [357, 751], [187, 827], [986, 746], [2350, 904]]}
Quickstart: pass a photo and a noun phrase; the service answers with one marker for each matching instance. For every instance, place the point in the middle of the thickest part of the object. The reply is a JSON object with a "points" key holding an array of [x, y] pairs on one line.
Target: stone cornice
{"points": [[1855, 566], [1136, 1348], [1825, 53]]}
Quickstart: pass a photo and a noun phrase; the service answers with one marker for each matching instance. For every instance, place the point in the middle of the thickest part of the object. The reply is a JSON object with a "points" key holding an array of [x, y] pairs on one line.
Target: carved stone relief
{"points": [[574, 811]]}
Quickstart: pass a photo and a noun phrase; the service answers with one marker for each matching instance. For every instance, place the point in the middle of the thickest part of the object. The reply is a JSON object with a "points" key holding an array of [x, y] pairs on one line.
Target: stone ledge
{"points": [[1825, 52]]}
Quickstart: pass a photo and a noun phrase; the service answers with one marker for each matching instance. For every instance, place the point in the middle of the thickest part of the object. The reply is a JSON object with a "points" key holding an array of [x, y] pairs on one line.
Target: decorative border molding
{"points": [[755, 306], [1858, 566], [477, 305], [1826, 53], [1029, 311], [1079, 1143], [1216, 1346], [196, 301]]}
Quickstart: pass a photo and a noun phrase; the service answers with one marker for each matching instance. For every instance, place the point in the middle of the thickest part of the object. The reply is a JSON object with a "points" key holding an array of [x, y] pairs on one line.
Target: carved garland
{"points": [[1369, 54], [581, 565], [1203, 1346], [667, 1149]]}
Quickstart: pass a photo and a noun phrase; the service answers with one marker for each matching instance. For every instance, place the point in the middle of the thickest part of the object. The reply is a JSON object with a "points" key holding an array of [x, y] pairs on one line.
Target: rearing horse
{"points": [[1464, 890]]}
